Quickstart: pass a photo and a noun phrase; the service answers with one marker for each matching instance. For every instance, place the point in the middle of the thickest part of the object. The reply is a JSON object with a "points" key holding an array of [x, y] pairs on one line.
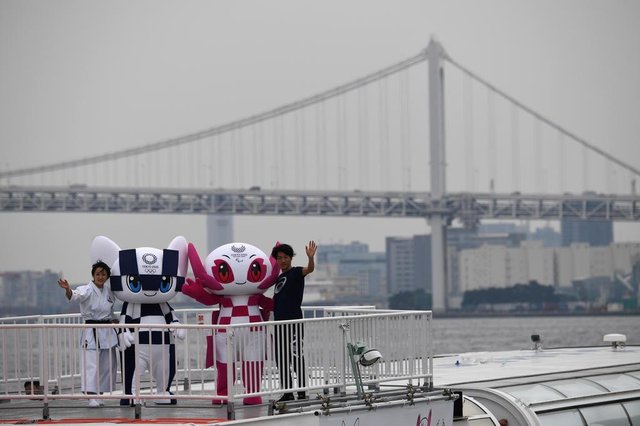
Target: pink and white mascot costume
{"points": [[235, 276]]}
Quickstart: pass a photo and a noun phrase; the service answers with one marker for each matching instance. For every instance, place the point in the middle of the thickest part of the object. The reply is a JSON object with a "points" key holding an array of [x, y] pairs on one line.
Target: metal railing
{"points": [[262, 359]]}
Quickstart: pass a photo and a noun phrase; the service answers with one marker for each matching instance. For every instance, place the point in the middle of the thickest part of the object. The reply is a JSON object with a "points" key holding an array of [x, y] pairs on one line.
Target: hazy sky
{"points": [[79, 78]]}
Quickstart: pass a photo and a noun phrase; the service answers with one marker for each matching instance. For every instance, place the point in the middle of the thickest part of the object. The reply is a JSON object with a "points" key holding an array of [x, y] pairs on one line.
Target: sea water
{"points": [[456, 335]]}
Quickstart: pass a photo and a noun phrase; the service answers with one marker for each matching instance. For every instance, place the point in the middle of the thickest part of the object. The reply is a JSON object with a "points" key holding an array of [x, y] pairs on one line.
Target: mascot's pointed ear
{"points": [[179, 244], [275, 271], [274, 247], [199, 271], [102, 248], [196, 264]]}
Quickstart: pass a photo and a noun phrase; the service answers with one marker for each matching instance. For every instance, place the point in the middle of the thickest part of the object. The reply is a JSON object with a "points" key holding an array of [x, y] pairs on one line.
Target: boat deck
{"points": [[460, 371], [563, 386], [522, 386], [45, 349], [65, 411], [490, 368]]}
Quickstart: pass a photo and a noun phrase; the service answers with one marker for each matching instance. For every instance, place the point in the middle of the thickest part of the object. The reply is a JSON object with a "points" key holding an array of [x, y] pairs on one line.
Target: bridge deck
{"points": [[469, 207]]}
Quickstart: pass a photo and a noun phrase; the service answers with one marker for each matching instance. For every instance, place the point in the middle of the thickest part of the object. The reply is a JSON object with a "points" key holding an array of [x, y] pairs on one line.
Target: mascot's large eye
{"points": [[222, 271], [134, 284], [257, 271], [166, 283]]}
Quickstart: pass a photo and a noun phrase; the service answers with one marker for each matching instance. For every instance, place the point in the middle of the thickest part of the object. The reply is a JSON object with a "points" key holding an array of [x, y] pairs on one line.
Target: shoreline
{"points": [[457, 314]]}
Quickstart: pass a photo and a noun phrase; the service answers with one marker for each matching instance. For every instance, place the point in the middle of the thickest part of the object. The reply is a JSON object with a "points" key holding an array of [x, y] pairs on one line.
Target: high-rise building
{"points": [[332, 253], [500, 266], [352, 264], [370, 270], [408, 263], [635, 277], [549, 236], [502, 228], [409, 259], [591, 231], [31, 293]]}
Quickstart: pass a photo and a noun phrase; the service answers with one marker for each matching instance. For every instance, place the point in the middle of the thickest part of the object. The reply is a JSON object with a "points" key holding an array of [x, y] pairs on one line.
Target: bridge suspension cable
{"points": [[237, 124], [544, 119], [356, 136]]}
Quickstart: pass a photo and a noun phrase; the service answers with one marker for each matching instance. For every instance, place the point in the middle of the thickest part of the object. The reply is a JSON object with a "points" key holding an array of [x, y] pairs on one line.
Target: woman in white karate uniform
{"points": [[98, 365]]}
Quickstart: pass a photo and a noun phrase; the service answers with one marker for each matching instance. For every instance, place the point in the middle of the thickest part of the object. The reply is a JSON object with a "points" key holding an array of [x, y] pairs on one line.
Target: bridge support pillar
{"points": [[438, 263], [219, 230], [438, 220]]}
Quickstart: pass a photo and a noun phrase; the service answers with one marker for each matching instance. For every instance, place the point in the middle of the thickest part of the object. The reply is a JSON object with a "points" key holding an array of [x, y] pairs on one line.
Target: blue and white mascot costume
{"points": [[145, 279]]}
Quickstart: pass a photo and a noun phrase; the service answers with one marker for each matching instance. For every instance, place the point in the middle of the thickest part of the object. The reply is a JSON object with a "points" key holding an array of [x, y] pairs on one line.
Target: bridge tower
{"points": [[219, 230], [437, 218]]}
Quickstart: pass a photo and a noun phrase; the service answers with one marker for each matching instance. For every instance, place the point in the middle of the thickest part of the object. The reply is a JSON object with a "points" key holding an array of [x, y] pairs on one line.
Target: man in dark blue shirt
{"points": [[289, 290]]}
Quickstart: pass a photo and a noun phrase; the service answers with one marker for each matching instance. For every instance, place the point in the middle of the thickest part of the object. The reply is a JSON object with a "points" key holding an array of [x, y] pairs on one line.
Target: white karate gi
{"points": [[98, 365]]}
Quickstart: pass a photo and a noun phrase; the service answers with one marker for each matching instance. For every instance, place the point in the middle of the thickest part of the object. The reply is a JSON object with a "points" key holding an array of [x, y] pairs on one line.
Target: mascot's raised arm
{"points": [[235, 276], [145, 279]]}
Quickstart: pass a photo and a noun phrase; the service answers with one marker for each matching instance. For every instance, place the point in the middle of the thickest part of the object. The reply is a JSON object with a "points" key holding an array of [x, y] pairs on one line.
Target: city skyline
{"points": [[493, 258], [81, 79]]}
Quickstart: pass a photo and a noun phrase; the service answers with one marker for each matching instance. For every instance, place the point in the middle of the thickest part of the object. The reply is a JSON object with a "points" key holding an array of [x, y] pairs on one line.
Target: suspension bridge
{"points": [[373, 147]]}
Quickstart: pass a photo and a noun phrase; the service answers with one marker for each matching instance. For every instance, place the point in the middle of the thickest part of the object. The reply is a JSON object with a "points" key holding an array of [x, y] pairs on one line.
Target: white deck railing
{"points": [[46, 348]]}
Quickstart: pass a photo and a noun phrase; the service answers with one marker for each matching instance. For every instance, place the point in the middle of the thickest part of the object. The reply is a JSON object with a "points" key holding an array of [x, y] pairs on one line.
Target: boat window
{"points": [[533, 393], [577, 387], [486, 421], [562, 418], [633, 409], [610, 415], [617, 382], [470, 408]]}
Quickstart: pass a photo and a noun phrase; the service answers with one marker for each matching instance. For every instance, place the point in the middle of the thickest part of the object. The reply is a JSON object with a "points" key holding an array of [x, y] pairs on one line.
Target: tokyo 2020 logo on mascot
{"points": [[145, 279], [235, 276]]}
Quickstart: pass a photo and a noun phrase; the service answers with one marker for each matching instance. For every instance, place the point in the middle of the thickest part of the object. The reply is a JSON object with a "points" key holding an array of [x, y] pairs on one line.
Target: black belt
{"points": [[95, 334]]}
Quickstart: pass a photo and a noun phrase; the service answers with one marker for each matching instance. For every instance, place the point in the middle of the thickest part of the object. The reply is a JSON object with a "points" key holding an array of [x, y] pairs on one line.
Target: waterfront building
{"points": [[503, 228], [591, 231], [31, 293], [370, 271], [409, 258], [500, 266], [359, 275], [330, 256], [408, 263], [549, 236]]}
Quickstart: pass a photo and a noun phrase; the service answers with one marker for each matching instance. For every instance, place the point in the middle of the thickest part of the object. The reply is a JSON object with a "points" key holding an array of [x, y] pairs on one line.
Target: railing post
{"points": [[231, 374], [42, 352], [345, 353], [137, 375], [186, 368], [44, 368], [430, 349]]}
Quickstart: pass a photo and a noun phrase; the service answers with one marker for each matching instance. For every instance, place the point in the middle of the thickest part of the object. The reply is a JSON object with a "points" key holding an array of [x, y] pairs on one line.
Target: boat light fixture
{"points": [[537, 341], [359, 355], [370, 357], [618, 341]]}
